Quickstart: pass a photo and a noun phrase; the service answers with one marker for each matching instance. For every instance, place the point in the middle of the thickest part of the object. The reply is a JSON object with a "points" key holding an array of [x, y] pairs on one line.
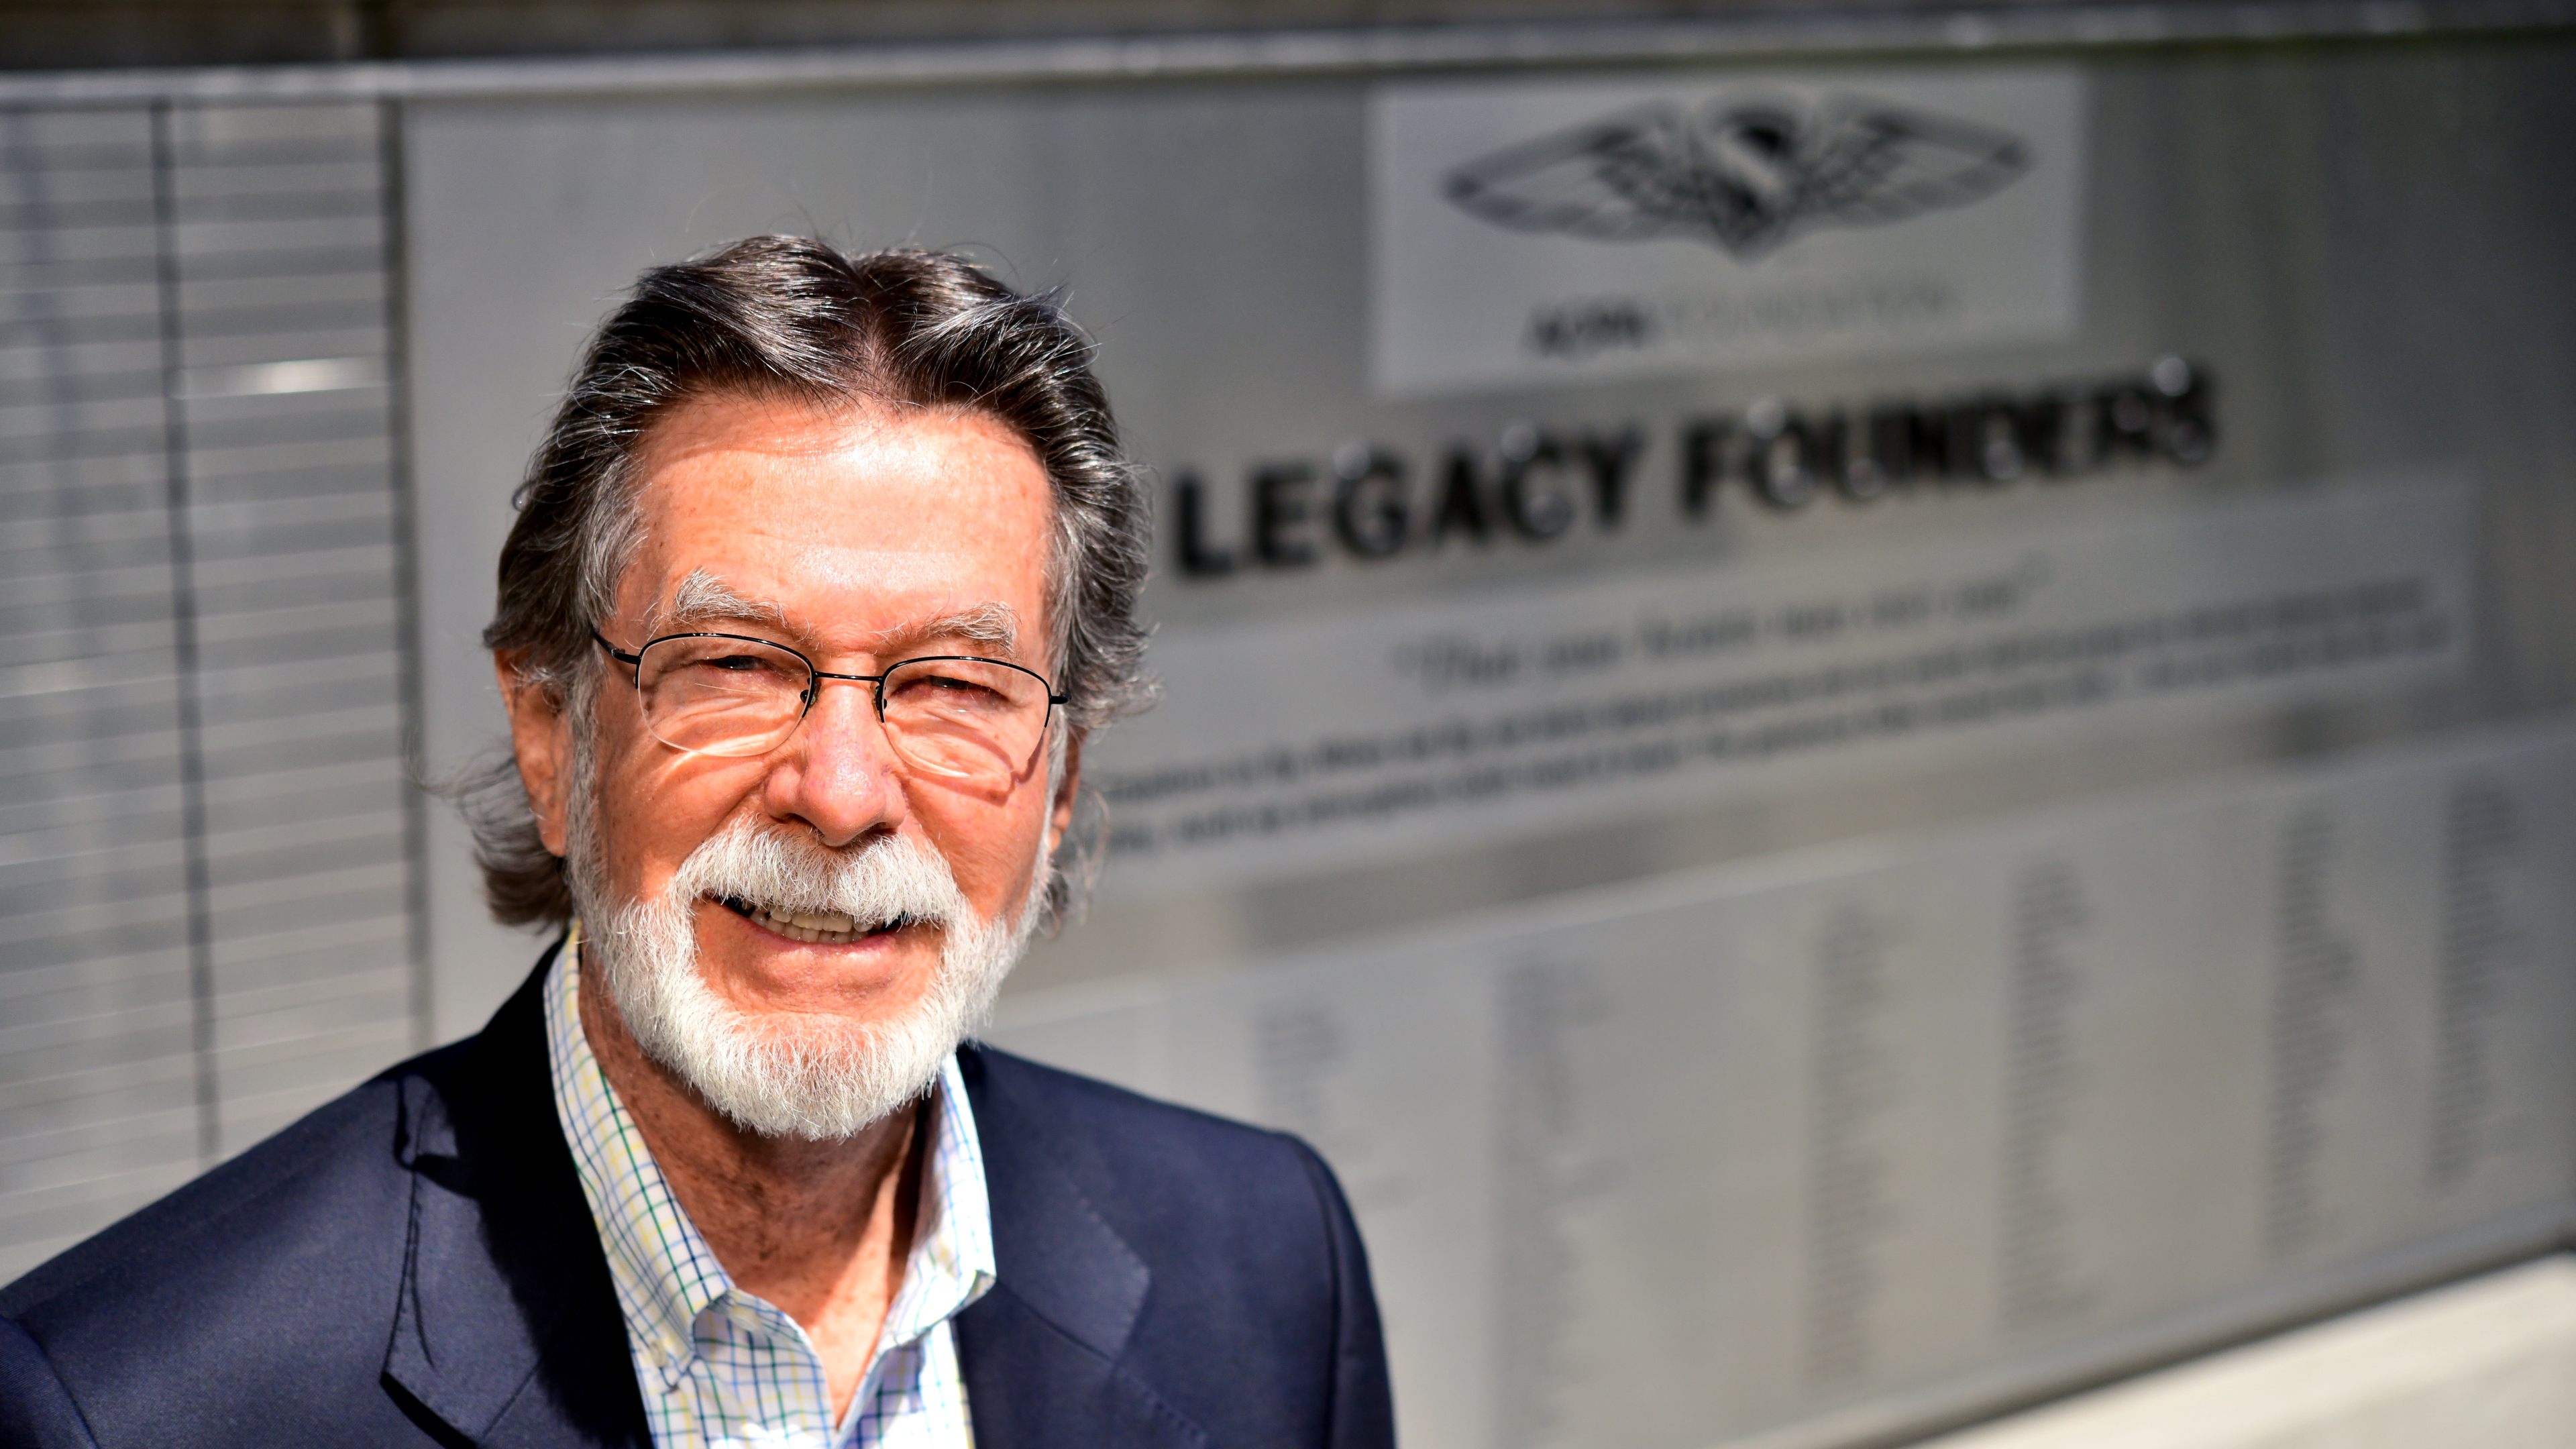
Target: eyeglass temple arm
{"points": [[620, 655]]}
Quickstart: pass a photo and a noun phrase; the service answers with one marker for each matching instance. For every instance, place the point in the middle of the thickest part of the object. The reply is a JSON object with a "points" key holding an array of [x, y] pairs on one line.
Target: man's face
{"points": [[860, 538]]}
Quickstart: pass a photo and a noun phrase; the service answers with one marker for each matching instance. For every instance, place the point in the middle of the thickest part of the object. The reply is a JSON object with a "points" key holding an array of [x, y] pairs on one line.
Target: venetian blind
{"points": [[207, 845]]}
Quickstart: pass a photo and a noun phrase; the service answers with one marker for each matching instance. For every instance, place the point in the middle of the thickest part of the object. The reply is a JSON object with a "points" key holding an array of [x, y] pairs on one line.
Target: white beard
{"points": [[810, 1075]]}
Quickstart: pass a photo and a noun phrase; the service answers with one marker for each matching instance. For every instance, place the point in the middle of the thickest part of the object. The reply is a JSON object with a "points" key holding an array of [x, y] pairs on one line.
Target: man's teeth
{"points": [[811, 926]]}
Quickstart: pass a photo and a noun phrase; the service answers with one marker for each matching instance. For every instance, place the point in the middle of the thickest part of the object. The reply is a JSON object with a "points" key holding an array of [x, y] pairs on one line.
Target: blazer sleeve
{"points": [[36, 1411], [1363, 1407]]}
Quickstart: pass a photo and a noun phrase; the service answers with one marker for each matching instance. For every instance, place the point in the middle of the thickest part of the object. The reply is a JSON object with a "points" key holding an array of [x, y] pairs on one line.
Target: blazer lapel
{"points": [[1042, 1351], [507, 1328]]}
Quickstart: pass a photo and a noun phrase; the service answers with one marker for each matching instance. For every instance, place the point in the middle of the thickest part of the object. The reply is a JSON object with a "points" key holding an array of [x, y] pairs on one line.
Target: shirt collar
{"points": [[664, 1272]]}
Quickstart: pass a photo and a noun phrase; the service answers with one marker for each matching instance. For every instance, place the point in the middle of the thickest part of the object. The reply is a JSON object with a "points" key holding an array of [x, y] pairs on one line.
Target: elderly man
{"points": [[824, 570]]}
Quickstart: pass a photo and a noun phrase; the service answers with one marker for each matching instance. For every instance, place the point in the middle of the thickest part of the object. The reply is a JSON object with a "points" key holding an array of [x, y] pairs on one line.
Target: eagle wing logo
{"points": [[1741, 176]]}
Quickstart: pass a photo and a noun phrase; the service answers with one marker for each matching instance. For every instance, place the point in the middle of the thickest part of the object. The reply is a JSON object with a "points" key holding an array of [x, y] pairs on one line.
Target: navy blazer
{"points": [[415, 1263]]}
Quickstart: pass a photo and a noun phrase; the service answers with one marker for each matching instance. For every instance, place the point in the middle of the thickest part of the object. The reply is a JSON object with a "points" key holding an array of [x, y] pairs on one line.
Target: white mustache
{"points": [[887, 882], [798, 1076]]}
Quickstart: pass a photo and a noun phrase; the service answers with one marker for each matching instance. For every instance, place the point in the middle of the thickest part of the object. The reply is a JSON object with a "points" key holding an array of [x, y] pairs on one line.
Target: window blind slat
{"points": [[207, 841]]}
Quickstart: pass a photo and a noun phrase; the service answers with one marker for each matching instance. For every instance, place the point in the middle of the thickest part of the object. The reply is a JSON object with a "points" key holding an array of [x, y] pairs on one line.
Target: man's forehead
{"points": [[798, 432], [819, 579], [854, 472], [732, 420], [846, 526]]}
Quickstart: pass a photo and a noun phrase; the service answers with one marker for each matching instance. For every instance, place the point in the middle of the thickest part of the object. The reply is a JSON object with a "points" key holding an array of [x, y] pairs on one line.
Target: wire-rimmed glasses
{"points": [[956, 716]]}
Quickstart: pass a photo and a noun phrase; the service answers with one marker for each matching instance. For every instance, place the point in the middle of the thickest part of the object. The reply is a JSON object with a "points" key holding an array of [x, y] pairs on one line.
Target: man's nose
{"points": [[839, 773]]}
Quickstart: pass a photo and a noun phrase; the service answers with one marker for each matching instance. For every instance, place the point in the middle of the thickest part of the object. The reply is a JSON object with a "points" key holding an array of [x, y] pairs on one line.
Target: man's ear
{"points": [[541, 736], [1060, 812]]}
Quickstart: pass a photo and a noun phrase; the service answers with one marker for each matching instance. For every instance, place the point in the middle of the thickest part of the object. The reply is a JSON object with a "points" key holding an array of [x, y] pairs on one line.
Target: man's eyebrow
{"points": [[991, 624], [702, 598]]}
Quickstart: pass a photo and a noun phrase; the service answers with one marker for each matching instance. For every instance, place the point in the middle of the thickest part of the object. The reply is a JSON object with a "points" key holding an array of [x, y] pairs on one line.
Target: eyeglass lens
{"points": [[967, 719]]}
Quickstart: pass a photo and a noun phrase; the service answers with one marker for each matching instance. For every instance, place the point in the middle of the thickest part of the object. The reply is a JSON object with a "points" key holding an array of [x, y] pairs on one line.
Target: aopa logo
{"points": [[1745, 176]]}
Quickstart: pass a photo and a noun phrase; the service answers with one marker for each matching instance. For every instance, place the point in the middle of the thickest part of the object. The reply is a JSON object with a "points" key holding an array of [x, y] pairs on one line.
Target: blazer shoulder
{"points": [[413, 1258], [337, 1167]]}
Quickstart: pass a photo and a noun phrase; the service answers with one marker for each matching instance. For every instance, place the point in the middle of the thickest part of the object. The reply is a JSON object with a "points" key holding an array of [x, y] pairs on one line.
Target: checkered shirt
{"points": [[717, 1365]]}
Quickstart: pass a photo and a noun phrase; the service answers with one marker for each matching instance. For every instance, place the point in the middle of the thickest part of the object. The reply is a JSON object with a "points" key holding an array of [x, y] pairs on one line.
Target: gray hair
{"points": [[790, 317]]}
